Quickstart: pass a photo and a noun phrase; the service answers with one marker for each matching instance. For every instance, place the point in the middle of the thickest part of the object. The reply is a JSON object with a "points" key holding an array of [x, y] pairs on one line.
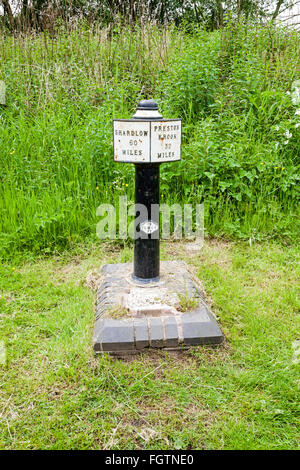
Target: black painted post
{"points": [[147, 140], [146, 250]]}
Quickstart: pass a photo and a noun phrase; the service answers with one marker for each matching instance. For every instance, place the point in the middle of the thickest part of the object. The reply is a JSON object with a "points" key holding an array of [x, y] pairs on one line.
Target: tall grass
{"points": [[230, 87]]}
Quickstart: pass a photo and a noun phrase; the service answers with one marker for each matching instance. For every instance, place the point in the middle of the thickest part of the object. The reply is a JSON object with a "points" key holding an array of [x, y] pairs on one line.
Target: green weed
{"points": [[235, 90]]}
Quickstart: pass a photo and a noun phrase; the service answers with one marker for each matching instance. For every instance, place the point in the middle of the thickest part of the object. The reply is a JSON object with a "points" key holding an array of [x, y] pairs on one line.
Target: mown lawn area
{"points": [[55, 394]]}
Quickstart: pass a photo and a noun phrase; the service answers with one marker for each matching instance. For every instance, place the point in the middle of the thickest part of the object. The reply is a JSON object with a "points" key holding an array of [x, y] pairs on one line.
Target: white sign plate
{"points": [[147, 141], [131, 141], [165, 141]]}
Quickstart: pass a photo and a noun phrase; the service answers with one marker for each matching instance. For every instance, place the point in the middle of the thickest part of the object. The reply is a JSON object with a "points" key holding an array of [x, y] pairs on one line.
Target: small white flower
{"points": [[297, 112], [276, 128], [297, 125], [288, 134], [288, 92], [286, 142]]}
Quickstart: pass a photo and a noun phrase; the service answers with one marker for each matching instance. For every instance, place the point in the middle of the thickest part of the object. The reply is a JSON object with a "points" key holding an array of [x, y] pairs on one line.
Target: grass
{"points": [[54, 394], [241, 136], [187, 303]]}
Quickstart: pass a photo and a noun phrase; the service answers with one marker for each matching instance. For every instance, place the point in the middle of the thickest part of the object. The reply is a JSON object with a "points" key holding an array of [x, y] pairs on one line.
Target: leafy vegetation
{"points": [[233, 88]]}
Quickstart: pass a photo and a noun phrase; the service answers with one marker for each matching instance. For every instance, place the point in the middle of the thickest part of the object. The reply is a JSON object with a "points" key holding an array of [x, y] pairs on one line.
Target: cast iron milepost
{"points": [[146, 250], [147, 140], [152, 320]]}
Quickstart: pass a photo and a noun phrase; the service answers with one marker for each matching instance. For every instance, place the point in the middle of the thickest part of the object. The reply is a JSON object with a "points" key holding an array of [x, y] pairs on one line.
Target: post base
{"points": [[168, 314], [138, 280]]}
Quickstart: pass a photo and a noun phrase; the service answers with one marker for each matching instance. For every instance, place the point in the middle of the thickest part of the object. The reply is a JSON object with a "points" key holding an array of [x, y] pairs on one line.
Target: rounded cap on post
{"points": [[147, 109]]}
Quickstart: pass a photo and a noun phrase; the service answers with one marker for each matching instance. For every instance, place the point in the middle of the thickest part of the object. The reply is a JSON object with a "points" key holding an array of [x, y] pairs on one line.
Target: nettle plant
{"points": [[286, 139], [288, 129]]}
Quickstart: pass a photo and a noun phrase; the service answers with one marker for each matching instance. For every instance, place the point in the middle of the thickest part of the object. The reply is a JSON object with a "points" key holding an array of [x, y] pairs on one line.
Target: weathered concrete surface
{"points": [[116, 335], [150, 316], [141, 333]]}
